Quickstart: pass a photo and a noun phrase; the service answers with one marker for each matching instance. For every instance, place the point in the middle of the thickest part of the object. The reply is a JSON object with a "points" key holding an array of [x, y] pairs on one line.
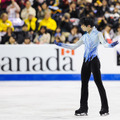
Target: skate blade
{"points": [[81, 114], [105, 114]]}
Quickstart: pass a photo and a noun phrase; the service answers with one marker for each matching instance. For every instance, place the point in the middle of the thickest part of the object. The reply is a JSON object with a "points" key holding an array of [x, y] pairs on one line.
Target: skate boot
{"points": [[81, 112], [104, 112]]}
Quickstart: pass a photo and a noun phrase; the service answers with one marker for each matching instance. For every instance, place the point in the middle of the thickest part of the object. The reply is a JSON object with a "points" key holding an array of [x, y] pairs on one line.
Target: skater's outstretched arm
{"points": [[105, 44], [70, 46]]}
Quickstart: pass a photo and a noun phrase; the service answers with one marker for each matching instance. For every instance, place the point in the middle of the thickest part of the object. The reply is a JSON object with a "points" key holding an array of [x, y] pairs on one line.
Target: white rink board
{"points": [[36, 56]]}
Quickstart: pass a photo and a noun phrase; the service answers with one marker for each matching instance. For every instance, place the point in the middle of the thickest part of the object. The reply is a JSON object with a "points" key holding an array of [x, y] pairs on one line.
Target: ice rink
{"points": [[54, 100]]}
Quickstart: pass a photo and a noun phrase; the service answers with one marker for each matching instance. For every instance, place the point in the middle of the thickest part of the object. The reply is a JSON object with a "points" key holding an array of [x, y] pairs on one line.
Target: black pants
{"points": [[94, 67]]}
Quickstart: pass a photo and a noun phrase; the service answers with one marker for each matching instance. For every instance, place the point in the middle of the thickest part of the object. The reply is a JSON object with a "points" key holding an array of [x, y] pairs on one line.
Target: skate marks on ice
{"points": [[54, 101]]}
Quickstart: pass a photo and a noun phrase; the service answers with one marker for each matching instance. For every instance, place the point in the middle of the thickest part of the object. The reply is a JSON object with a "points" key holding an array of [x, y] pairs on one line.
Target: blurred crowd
{"points": [[42, 22]]}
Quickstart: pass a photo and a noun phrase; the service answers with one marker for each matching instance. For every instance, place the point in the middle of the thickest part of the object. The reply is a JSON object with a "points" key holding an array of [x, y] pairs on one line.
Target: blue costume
{"points": [[91, 42]]}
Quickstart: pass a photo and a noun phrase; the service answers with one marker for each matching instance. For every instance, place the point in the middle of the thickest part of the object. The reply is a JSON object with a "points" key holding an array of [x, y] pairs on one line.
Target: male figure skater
{"points": [[91, 39]]}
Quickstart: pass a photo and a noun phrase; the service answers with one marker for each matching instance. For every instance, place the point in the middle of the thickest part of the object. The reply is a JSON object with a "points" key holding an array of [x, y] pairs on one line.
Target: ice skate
{"points": [[81, 112], [104, 112]]}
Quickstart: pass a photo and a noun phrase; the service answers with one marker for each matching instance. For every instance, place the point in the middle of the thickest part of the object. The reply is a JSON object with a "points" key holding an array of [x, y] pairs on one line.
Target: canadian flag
{"points": [[64, 51]]}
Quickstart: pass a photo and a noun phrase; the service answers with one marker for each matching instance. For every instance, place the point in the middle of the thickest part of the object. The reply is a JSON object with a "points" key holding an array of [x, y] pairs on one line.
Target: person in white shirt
{"points": [[13, 10], [28, 9]]}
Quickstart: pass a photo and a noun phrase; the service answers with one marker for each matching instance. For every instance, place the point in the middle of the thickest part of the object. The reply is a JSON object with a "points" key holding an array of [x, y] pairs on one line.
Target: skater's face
{"points": [[85, 28]]}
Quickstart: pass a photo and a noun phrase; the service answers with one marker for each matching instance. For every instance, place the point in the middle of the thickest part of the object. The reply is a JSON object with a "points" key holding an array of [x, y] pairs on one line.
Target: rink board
{"points": [[50, 62], [52, 77]]}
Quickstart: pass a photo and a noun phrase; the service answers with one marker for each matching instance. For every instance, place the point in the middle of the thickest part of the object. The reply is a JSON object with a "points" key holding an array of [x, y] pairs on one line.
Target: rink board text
{"points": [[49, 62]]}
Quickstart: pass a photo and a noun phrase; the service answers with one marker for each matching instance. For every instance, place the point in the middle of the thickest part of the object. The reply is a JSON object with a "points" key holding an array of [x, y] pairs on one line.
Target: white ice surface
{"points": [[56, 100]]}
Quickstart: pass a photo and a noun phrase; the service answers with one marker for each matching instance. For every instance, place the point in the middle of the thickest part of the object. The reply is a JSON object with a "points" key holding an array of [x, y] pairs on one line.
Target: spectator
{"points": [[12, 40], [75, 40], [41, 11], [108, 33], [81, 4], [72, 10], [105, 6], [37, 5], [13, 10], [43, 37], [1, 35], [111, 8], [117, 23], [22, 3], [28, 9], [63, 4], [31, 1], [8, 34], [85, 10], [117, 5], [13, 13], [32, 25], [58, 39], [22, 34], [111, 2], [74, 35], [5, 23], [27, 41], [31, 22], [50, 2], [57, 2], [98, 8], [107, 14], [116, 12], [4, 4], [101, 23], [117, 36], [66, 25], [48, 22], [58, 34]]}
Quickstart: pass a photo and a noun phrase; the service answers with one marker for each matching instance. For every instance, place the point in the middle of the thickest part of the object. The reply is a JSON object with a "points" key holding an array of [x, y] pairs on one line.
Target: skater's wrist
{"points": [[114, 44], [57, 43]]}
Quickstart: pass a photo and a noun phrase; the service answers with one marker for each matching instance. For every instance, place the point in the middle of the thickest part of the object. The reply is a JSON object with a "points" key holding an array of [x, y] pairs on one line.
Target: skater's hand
{"points": [[114, 44], [57, 43]]}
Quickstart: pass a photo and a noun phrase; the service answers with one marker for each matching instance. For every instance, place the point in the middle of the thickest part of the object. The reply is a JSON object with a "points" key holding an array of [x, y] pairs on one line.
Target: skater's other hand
{"points": [[114, 43], [57, 43]]}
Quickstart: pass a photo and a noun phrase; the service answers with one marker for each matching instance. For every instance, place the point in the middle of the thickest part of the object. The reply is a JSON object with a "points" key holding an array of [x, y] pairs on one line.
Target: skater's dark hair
{"points": [[87, 21]]}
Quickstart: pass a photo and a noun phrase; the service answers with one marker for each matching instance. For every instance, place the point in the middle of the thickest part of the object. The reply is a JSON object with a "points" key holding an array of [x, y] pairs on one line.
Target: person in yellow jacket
{"points": [[48, 21], [31, 22], [5, 23]]}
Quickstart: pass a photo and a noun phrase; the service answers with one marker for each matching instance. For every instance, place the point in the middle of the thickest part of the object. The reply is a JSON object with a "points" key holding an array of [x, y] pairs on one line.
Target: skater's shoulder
{"points": [[94, 31]]}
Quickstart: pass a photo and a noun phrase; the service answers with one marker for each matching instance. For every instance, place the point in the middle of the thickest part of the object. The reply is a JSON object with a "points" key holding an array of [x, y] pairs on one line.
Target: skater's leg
{"points": [[85, 75], [95, 68]]}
